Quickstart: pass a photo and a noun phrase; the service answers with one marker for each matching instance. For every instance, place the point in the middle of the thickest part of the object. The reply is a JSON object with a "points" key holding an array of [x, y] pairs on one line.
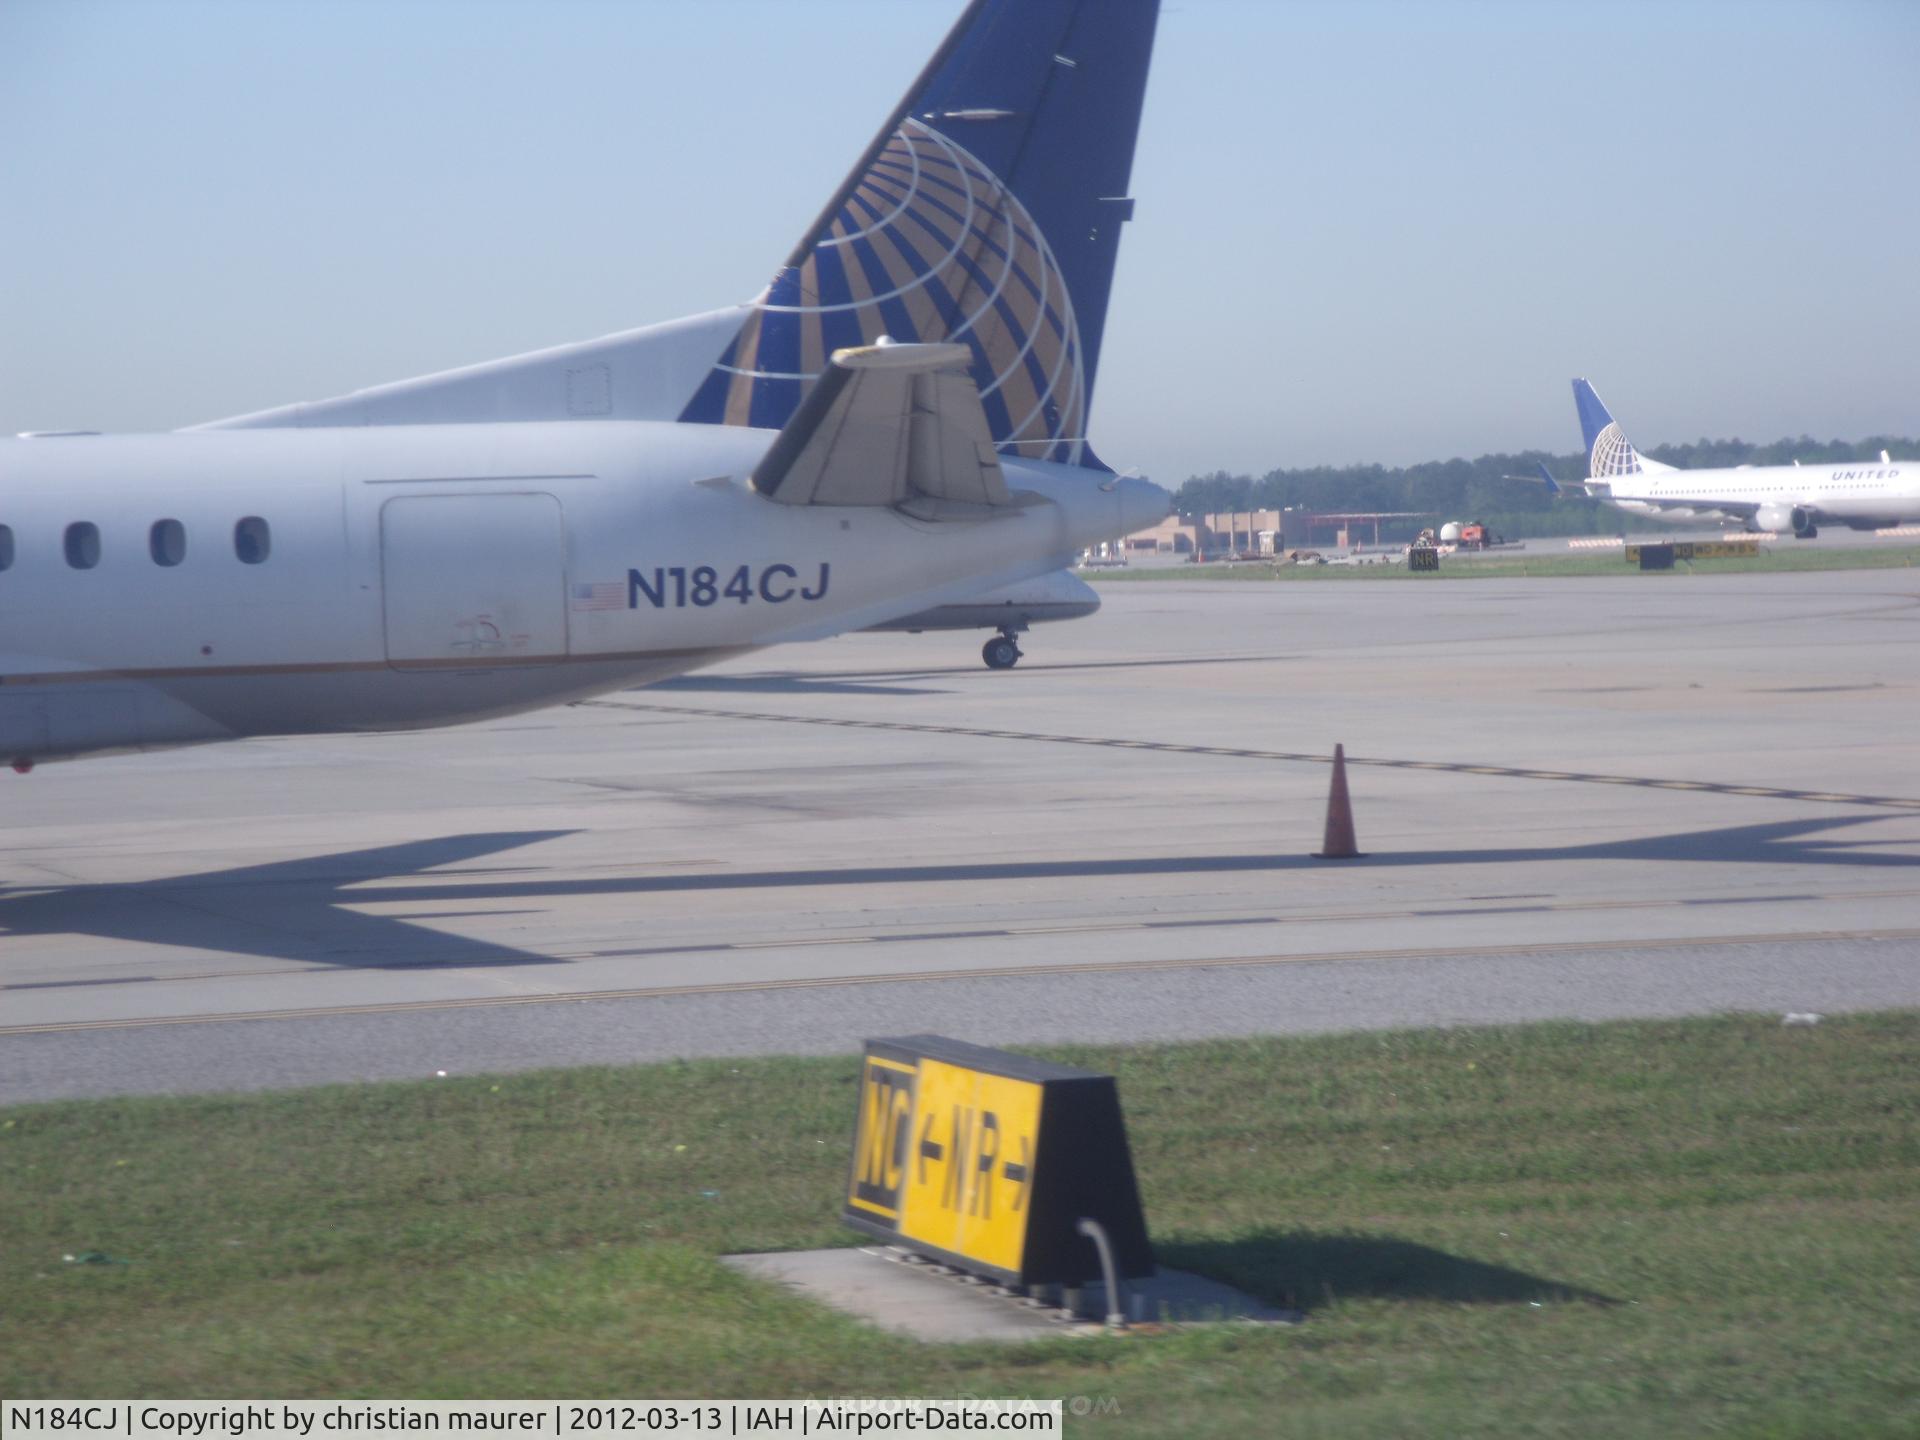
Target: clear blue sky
{"points": [[1366, 230]]}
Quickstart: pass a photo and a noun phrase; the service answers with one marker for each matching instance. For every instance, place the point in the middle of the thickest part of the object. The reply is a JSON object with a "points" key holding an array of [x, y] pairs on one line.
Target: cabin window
{"points": [[251, 540], [6, 547], [167, 541], [83, 545]]}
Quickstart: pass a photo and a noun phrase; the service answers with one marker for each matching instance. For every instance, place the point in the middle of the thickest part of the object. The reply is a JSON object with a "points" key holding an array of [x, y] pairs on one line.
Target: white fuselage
{"points": [[420, 575], [1864, 494]]}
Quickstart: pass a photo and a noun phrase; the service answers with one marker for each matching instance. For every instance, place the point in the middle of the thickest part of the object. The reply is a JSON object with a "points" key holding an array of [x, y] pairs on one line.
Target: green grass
{"points": [[1775, 560], [1645, 1229]]}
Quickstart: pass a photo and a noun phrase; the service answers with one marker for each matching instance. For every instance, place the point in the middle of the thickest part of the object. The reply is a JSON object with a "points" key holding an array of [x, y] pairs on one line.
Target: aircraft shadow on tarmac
{"points": [[1301, 1270], [296, 909], [291, 909]]}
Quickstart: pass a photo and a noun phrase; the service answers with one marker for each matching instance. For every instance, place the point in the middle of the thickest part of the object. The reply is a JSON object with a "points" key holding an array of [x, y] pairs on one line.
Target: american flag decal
{"points": [[608, 595]]}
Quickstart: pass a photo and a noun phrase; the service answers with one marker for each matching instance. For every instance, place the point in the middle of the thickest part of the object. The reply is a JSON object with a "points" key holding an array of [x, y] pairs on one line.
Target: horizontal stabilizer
{"points": [[889, 425], [1545, 477]]}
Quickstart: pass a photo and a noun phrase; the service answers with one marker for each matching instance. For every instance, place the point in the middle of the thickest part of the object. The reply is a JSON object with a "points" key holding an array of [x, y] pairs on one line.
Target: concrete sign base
{"points": [[904, 1294]]}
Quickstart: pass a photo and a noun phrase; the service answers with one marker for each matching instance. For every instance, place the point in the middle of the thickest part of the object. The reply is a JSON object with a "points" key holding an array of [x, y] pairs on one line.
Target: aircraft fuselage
{"points": [[1765, 497], [169, 589]]}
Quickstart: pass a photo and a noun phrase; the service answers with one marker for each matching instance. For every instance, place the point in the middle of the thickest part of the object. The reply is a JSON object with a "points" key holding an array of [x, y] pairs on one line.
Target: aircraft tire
{"points": [[1000, 653]]}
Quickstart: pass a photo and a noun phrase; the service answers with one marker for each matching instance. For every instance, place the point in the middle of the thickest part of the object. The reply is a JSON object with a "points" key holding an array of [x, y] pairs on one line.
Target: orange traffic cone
{"points": [[1339, 843]]}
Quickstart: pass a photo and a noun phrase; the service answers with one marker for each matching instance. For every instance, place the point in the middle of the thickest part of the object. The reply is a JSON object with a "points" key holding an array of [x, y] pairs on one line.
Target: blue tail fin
{"points": [[987, 212], [1553, 485], [1609, 453], [1593, 413]]}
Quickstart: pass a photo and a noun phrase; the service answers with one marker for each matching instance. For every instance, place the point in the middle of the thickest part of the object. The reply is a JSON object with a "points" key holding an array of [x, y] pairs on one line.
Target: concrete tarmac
{"points": [[1579, 797]]}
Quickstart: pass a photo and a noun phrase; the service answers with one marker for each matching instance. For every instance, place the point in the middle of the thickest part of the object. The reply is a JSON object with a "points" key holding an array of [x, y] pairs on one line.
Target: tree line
{"points": [[1479, 490]]}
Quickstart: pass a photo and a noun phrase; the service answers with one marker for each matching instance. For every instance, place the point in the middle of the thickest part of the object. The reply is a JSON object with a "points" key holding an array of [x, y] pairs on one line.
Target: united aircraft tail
{"points": [[986, 213], [1609, 453]]}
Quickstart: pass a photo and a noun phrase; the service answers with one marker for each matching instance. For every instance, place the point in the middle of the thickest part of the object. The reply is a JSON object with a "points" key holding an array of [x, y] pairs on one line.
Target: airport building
{"points": [[1263, 532]]}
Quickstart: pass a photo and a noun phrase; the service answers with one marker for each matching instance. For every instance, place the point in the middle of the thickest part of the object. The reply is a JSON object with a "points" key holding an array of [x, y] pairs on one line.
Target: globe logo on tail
{"points": [[929, 246], [1612, 455]]}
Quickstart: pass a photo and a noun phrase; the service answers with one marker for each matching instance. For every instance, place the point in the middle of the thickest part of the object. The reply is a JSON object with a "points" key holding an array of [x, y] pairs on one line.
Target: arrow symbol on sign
{"points": [[930, 1149], [1021, 1174]]}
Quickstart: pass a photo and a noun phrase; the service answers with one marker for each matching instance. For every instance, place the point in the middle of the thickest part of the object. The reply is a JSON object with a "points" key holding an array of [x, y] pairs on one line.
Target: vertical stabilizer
{"points": [[986, 213], [1609, 453]]}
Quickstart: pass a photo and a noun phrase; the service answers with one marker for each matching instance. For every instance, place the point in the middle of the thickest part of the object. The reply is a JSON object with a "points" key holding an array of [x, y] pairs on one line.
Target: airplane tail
{"points": [[986, 213], [1609, 452]]}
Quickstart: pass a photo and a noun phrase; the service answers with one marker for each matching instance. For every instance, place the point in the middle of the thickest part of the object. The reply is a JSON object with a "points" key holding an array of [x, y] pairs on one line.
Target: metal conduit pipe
{"points": [[1096, 1232]]}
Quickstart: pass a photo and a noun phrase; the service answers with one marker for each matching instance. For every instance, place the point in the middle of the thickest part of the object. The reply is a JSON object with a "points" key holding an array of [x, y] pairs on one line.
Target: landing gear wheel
{"points": [[1812, 532], [1000, 653]]}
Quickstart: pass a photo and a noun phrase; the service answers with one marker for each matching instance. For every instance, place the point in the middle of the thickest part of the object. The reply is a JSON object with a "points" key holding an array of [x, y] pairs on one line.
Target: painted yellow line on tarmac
{"points": [[797, 943]]}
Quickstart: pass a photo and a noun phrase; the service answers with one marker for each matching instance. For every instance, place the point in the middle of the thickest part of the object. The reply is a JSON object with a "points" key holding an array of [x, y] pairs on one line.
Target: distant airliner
{"points": [[897, 423], [1863, 495]]}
